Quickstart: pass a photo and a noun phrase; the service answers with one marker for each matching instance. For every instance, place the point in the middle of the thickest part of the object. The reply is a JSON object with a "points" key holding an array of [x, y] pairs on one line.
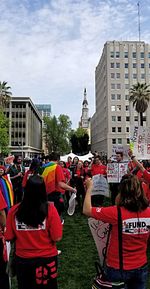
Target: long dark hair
{"points": [[132, 196], [34, 207]]}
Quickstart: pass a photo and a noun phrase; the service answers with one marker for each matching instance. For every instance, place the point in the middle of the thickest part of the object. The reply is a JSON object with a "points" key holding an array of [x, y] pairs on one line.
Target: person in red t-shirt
{"points": [[35, 226], [4, 280], [146, 174], [135, 215]]}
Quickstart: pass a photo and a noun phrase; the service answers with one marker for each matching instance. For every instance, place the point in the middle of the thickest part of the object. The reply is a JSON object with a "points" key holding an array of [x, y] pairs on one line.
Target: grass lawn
{"points": [[76, 263]]}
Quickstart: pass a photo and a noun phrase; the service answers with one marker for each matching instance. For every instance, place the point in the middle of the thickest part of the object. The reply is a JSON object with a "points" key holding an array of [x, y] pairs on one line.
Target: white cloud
{"points": [[49, 49]]}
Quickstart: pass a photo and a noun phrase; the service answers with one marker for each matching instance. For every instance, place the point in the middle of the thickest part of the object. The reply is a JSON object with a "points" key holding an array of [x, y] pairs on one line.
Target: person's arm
{"points": [[2, 219], [66, 187], [87, 206], [135, 161]]}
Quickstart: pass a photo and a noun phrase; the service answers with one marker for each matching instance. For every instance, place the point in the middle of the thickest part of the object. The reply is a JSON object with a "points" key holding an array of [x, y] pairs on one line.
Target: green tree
{"points": [[5, 94], [139, 94], [4, 135], [56, 133], [79, 140]]}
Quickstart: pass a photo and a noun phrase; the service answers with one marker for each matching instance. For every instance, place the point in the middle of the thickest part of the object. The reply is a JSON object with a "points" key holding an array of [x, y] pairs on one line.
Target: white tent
{"points": [[64, 158], [72, 155]]}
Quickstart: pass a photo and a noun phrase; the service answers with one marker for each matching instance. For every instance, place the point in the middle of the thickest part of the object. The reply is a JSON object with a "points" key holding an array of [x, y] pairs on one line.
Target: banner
{"points": [[115, 172], [99, 231], [100, 186], [140, 142], [9, 160]]}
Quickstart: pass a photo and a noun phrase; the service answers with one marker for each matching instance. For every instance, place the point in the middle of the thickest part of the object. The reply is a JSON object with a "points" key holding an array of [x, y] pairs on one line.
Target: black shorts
{"points": [[36, 273]]}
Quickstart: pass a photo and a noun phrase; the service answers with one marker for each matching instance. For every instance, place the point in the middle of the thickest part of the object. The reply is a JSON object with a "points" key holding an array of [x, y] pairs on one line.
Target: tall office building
{"points": [[44, 109], [122, 64], [25, 127]]}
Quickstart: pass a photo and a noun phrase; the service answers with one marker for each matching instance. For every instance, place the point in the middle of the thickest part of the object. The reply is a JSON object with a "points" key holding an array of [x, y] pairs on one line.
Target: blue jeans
{"points": [[134, 279]]}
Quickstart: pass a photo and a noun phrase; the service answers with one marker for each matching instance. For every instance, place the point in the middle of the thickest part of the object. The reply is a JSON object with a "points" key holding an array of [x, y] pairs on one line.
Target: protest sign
{"points": [[100, 186], [99, 231], [115, 171], [120, 148], [140, 142]]}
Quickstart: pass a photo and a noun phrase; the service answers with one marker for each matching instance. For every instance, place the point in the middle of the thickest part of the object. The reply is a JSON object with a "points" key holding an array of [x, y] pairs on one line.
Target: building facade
{"points": [[25, 127], [85, 119], [121, 65], [44, 109]]}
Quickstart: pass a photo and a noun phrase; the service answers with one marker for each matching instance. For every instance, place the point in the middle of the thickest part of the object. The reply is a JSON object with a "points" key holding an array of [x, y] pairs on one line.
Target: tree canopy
{"points": [[5, 93], [57, 133], [139, 94], [4, 139], [80, 141]]}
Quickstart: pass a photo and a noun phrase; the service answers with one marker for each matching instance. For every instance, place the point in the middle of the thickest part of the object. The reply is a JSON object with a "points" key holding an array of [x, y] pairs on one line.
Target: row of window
{"points": [[18, 124], [118, 118], [118, 107], [18, 134], [126, 65], [119, 141], [126, 54], [18, 105], [15, 143], [119, 86], [118, 97], [119, 129], [126, 76], [19, 114]]}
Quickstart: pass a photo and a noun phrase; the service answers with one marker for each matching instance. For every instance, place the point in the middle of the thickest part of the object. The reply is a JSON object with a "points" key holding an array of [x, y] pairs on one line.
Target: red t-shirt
{"points": [[146, 176], [134, 240], [3, 205], [98, 169], [33, 242]]}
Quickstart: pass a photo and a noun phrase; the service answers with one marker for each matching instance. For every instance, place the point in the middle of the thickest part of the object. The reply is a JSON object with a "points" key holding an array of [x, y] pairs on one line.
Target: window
{"points": [[126, 55], [127, 107], [136, 118], [127, 118], [113, 97], [142, 65], [113, 129], [119, 129], [117, 65], [112, 65], [117, 54], [126, 97], [148, 54], [112, 54], [119, 118], [119, 140], [142, 54], [118, 107], [112, 75], [127, 129], [126, 85], [113, 141], [118, 86], [118, 96], [126, 65], [134, 65], [149, 65], [112, 85], [134, 75], [113, 118], [126, 75], [144, 118], [128, 141], [113, 108], [134, 54], [117, 75], [142, 75]]}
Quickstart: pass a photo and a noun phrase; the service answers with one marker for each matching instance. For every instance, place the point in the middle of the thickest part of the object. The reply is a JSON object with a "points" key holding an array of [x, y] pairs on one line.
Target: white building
{"points": [[122, 64]]}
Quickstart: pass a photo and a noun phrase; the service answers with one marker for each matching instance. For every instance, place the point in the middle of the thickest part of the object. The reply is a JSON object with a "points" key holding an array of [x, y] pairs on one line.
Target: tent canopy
{"points": [[72, 155]]}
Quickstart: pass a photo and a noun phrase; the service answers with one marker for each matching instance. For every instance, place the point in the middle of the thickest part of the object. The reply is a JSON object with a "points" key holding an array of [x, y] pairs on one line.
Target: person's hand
{"points": [[130, 153], [74, 190], [89, 183]]}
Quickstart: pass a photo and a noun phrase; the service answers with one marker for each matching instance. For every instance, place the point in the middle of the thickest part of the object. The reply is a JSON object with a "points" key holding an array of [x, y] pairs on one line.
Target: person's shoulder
{"points": [[14, 208]]}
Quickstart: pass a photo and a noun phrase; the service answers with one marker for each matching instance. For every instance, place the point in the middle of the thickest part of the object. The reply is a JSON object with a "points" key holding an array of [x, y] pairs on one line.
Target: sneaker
{"points": [[58, 252]]}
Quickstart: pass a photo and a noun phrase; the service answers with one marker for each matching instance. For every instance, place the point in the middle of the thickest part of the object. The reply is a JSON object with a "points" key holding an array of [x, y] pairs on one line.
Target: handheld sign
{"points": [[100, 186]]}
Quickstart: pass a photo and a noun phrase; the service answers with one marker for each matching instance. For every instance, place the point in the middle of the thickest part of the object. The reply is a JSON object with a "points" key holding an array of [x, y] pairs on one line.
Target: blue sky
{"points": [[49, 49]]}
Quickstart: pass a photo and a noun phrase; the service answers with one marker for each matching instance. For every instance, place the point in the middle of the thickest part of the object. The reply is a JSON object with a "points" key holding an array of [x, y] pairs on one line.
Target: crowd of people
{"points": [[32, 202]]}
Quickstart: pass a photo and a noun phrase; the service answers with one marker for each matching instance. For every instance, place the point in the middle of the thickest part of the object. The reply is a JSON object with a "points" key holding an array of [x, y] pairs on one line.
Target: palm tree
{"points": [[5, 93], [139, 94]]}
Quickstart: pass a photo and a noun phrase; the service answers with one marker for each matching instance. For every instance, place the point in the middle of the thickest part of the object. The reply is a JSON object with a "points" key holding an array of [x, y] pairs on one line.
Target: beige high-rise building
{"points": [[122, 64], [25, 127]]}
